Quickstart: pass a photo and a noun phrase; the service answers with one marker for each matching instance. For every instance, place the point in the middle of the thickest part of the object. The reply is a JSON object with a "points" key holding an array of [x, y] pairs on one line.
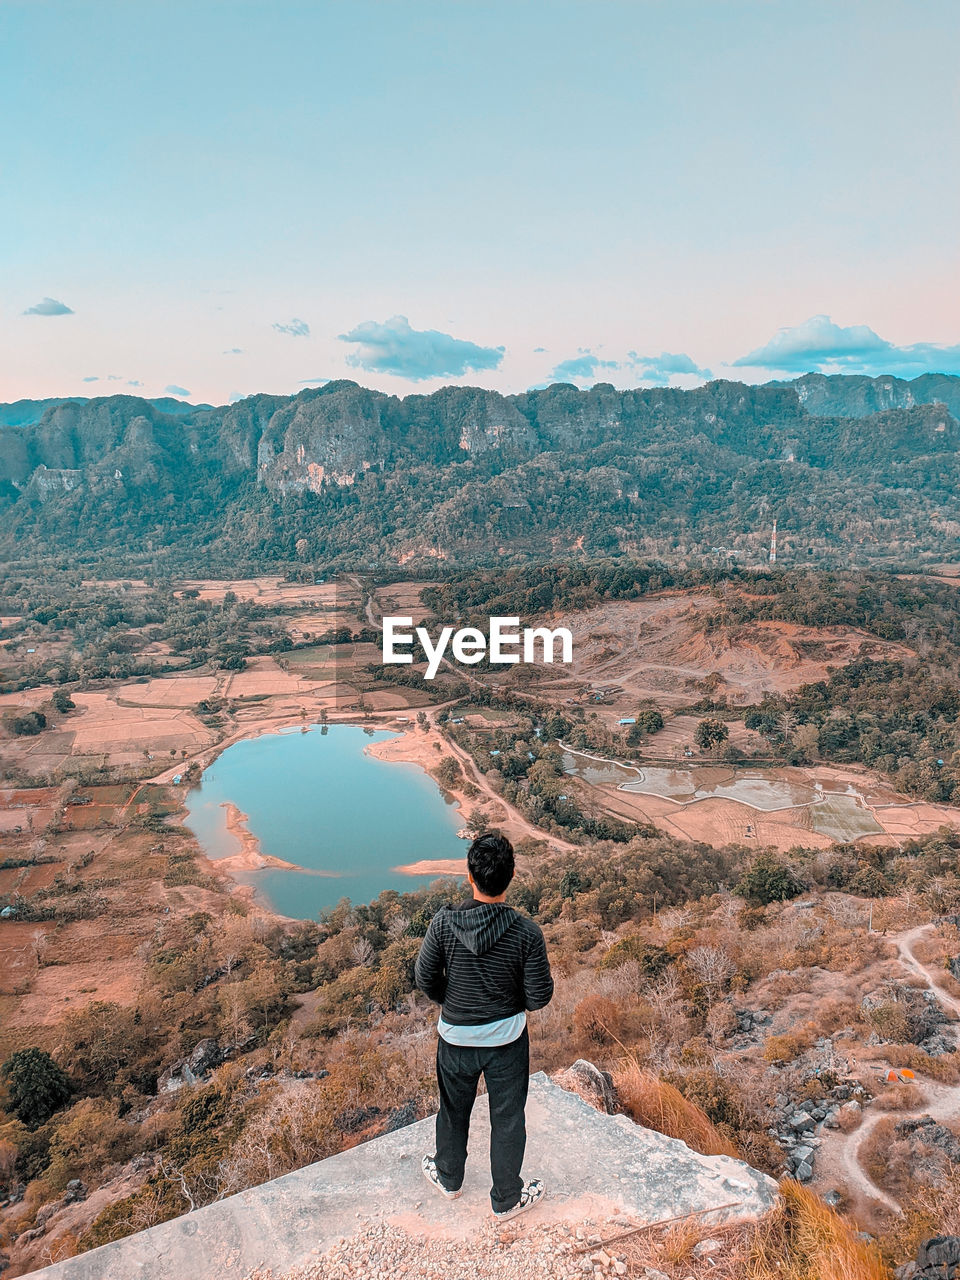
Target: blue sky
{"points": [[236, 197]]}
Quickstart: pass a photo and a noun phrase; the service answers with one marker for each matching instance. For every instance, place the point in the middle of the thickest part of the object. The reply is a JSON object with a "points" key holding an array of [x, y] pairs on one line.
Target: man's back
{"points": [[483, 961], [487, 966]]}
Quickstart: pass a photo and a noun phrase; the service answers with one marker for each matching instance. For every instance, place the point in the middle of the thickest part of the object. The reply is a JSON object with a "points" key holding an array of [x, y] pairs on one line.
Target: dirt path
{"points": [[838, 1159], [518, 820], [905, 943]]}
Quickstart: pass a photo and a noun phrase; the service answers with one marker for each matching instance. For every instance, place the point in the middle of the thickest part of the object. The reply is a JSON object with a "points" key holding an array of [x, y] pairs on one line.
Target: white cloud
{"points": [[294, 328], [416, 354], [49, 307], [818, 345]]}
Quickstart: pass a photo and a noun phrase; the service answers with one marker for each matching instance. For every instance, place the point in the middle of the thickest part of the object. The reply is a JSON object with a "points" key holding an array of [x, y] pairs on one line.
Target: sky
{"points": [[217, 198]]}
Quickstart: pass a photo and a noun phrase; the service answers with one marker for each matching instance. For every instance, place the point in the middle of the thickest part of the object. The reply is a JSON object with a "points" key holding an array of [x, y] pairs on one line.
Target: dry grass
{"points": [[790, 1045], [657, 1105], [928, 1211], [945, 1069], [802, 1239], [902, 1097]]}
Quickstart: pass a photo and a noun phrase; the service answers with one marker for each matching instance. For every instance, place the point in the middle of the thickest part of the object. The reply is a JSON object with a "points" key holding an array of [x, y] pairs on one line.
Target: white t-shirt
{"points": [[486, 1035]]}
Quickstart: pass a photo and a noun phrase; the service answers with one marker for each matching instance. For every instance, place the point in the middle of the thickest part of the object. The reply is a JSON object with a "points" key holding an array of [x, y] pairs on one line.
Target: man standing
{"points": [[486, 964]]}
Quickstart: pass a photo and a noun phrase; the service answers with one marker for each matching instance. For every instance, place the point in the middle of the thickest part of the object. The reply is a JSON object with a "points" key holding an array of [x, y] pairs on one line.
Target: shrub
{"points": [[597, 1020], [98, 1041], [36, 1085], [769, 880], [651, 959], [790, 1045], [87, 1138]]}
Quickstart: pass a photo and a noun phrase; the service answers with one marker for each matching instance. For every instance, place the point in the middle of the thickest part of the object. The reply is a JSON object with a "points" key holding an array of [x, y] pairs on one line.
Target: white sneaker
{"points": [[428, 1167], [532, 1193]]}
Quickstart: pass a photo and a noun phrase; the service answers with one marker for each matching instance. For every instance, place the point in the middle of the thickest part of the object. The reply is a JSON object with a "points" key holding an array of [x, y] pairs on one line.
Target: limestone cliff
{"points": [[595, 1166]]}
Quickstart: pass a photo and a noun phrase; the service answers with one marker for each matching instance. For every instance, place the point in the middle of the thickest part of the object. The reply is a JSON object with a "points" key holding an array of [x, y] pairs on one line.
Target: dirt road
{"points": [[838, 1159]]}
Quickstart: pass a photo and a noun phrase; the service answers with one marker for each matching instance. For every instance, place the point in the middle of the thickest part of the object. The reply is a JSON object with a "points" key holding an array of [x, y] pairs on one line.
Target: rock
{"points": [[205, 1056], [833, 1198], [581, 1154], [400, 1117], [938, 1258], [592, 1084], [802, 1153], [651, 1273], [804, 1171], [907, 1271], [932, 1134], [706, 1247], [851, 1108], [954, 967], [75, 1191], [802, 1122], [937, 1045]]}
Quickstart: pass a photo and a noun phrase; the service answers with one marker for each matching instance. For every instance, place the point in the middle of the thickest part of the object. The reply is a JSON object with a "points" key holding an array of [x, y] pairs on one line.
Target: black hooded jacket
{"points": [[483, 961]]}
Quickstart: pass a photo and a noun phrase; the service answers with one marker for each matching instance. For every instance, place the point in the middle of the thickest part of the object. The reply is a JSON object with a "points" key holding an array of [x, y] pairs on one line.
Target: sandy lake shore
{"points": [[250, 857]]}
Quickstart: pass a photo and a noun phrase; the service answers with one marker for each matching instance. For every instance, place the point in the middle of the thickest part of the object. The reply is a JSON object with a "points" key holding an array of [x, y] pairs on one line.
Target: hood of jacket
{"points": [[480, 926]]}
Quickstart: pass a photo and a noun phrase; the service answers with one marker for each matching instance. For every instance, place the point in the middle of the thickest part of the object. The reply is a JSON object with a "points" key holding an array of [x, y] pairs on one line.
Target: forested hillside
{"points": [[344, 476]]}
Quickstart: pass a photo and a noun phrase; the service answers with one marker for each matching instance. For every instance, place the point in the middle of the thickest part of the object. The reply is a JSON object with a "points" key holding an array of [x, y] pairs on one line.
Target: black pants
{"points": [[506, 1070]]}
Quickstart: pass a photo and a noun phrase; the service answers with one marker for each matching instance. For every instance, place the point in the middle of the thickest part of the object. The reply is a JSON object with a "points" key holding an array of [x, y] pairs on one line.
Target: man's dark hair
{"points": [[490, 862]]}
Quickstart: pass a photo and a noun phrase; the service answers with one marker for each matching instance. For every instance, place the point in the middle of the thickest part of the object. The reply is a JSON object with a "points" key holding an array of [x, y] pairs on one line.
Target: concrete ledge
{"points": [[592, 1164]]}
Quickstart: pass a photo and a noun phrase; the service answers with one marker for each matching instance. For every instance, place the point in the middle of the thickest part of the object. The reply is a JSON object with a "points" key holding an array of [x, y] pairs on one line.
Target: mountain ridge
{"points": [[345, 473]]}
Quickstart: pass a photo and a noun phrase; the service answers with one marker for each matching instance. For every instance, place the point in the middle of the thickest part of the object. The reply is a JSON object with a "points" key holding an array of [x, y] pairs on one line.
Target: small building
{"points": [[627, 720]]}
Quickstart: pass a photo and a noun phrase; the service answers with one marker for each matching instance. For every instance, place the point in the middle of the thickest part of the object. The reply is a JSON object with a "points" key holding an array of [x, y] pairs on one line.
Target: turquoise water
{"points": [[315, 799]]}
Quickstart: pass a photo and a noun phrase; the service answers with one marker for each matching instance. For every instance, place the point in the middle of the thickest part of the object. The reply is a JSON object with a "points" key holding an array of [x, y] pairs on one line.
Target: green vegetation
{"points": [[711, 734], [577, 473], [36, 1086]]}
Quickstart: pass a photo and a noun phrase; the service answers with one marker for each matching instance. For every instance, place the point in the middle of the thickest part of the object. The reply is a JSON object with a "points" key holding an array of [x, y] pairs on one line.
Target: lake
{"points": [[312, 797]]}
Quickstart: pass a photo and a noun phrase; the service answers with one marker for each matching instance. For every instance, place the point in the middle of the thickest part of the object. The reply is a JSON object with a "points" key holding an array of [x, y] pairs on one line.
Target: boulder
{"points": [[939, 1259], [592, 1084], [205, 1056]]}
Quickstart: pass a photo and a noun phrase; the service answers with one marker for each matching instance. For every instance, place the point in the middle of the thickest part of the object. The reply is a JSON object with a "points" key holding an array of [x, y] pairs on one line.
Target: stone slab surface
{"points": [[593, 1165]]}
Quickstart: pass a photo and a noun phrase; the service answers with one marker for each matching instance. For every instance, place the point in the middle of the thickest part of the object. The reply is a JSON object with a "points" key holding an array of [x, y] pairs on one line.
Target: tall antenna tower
{"points": [[773, 544]]}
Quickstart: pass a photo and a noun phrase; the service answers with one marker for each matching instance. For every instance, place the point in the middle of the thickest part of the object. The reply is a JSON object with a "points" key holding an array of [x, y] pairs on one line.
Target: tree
{"points": [[62, 701], [28, 725], [649, 720], [769, 880], [448, 772], [36, 1085], [710, 734]]}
